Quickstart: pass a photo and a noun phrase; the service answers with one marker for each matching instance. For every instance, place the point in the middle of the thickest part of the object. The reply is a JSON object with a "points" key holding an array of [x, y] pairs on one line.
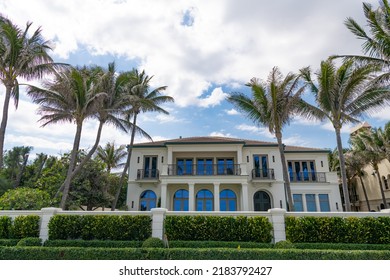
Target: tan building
{"points": [[228, 174]]}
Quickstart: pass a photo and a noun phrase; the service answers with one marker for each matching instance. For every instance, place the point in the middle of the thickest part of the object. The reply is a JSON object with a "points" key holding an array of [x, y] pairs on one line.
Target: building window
{"points": [[180, 200], [298, 202], [301, 171], [225, 166], [324, 202], [260, 163], [385, 182], [204, 201], [227, 201], [204, 166], [261, 201], [184, 166], [150, 167], [147, 200], [311, 203]]}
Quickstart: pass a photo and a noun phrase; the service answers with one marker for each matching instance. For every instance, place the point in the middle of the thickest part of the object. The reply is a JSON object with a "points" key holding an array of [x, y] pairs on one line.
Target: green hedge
{"points": [[217, 244], [338, 230], [8, 242], [101, 227], [255, 229], [20, 227], [93, 243], [54, 253]]}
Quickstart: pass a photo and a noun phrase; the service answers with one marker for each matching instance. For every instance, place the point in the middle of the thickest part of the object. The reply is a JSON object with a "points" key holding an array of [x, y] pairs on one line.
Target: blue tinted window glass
{"points": [[298, 204], [311, 203], [324, 203]]}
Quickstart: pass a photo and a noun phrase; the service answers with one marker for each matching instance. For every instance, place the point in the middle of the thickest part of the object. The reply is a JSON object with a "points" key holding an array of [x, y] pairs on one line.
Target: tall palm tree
{"points": [[21, 57], [376, 46], [343, 95], [111, 155], [16, 161], [371, 146], [355, 163], [273, 104], [71, 96], [141, 100]]}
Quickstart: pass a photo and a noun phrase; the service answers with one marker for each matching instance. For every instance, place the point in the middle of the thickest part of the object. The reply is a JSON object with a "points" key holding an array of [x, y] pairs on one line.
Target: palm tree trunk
{"points": [[3, 125], [72, 163], [365, 193], [21, 171], [78, 168], [287, 187], [381, 187], [127, 165], [343, 171]]}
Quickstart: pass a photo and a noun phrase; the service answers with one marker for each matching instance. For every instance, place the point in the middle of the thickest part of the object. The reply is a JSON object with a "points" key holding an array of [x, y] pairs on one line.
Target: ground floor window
{"points": [[180, 200], [311, 203], [324, 202], [261, 201], [148, 200], [204, 201], [227, 201], [298, 203]]}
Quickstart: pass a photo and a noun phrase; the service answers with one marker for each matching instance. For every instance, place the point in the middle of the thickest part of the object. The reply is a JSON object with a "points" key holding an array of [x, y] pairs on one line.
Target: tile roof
{"points": [[223, 140]]}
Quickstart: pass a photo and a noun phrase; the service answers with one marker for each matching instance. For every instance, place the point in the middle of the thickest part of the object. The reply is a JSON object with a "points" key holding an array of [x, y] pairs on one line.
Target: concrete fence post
{"points": [[47, 213], [277, 220], [158, 216]]}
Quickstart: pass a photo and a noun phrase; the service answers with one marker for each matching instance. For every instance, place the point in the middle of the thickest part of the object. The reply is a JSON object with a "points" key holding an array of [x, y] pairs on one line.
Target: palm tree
{"points": [[141, 100], [273, 104], [342, 96], [23, 57], [376, 46], [355, 163], [111, 156], [16, 161], [72, 96], [371, 146]]}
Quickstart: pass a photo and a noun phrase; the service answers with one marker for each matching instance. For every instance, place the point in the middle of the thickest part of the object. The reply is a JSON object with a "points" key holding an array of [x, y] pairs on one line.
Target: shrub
{"points": [[92, 243], [26, 226], [24, 199], [201, 228], [285, 244], [5, 226], [153, 242], [217, 244], [30, 241], [101, 227], [8, 242]]}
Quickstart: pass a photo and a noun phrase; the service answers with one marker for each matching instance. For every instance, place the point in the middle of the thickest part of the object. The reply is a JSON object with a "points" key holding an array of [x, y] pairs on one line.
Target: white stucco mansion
{"points": [[228, 174]]}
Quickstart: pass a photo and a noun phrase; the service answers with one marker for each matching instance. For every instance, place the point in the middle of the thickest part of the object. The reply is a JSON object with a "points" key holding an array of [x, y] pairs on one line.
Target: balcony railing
{"points": [[150, 174], [263, 174], [204, 170], [307, 177]]}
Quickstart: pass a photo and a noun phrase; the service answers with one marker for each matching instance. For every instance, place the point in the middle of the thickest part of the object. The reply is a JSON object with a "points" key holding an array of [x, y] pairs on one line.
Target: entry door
{"points": [[261, 201]]}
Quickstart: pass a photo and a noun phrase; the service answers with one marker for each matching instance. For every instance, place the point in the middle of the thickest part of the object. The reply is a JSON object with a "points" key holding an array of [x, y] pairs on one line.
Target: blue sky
{"points": [[201, 50]]}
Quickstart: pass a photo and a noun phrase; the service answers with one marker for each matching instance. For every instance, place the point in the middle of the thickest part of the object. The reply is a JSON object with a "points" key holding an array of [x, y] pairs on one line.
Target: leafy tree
{"points": [[21, 56], [72, 96], [141, 100], [273, 104], [24, 199], [343, 95], [15, 161]]}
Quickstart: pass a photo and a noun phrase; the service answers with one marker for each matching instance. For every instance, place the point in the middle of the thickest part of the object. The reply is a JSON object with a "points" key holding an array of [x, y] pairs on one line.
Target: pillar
{"points": [[216, 196], [163, 195], [158, 216], [47, 213], [277, 220], [191, 197], [244, 197]]}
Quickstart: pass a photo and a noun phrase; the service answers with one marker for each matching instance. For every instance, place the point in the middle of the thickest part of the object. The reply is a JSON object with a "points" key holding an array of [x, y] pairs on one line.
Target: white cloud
{"points": [[221, 134], [345, 129], [295, 140], [215, 98], [255, 130], [382, 114], [232, 112]]}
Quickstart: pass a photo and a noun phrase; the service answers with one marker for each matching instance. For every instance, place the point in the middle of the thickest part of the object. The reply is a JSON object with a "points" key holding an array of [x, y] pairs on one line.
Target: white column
{"points": [[191, 196], [47, 213], [163, 195], [317, 199], [216, 196], [244, 197], [158, 216], [277, 220], [304, 202]]}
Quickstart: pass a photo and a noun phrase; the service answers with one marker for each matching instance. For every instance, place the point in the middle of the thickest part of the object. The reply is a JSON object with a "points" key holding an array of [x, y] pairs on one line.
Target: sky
{"points": [[201, 50]]}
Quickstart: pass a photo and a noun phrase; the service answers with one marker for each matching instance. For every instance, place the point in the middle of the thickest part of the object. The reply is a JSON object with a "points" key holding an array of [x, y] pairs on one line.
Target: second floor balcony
{"points": [[307, 176], [263, 174], [204, 170], [148, 174]]}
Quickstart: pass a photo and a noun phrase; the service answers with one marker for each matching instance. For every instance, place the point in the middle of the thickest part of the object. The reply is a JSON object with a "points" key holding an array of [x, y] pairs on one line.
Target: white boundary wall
{"points": [[276, 216]]}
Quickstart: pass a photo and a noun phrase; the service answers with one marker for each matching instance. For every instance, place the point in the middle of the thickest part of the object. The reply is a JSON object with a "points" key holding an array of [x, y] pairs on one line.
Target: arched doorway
{"points": [[261, 201]]}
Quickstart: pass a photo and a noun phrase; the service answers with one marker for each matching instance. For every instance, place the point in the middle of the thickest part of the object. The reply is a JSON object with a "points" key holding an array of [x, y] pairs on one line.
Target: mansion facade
{"points": [[228, 174]]}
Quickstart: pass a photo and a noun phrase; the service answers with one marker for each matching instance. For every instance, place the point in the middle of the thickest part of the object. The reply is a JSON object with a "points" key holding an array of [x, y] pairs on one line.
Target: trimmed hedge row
{"points": [[20, 227], [254, 229], [100, 227], [54, 253], [92, 243], [338, 230]]}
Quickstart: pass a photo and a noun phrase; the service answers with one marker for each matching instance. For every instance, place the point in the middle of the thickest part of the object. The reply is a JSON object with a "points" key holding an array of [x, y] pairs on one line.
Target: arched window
{"points": [[204, 201], [180, 200], [261, 201], [227, 201], [147, 200]]}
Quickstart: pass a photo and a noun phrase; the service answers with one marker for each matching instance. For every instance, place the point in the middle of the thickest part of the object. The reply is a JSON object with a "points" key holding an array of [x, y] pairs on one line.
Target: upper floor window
{"points": [[227, 201], [311, 202], [185, 166], [260, 163], [180, 200], [324, 202], [204, 166], [301, 170], [147, 200], [204, 201], [298, 202], [225, 166], [150, 167]]}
